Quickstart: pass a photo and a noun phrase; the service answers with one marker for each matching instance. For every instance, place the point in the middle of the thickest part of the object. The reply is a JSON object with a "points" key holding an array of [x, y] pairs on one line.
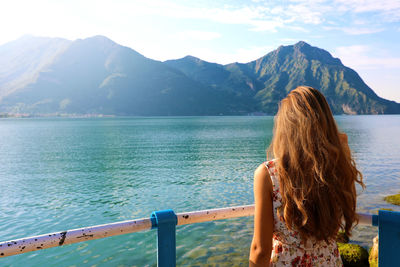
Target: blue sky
{"points": [[364, 34]]}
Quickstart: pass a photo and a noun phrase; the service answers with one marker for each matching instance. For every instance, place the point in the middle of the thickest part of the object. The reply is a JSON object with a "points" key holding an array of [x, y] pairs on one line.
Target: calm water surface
{"points": [[59, 174]]}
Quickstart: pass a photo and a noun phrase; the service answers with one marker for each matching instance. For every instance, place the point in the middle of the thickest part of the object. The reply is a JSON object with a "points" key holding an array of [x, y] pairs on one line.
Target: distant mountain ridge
{"points": [[96, 75]]}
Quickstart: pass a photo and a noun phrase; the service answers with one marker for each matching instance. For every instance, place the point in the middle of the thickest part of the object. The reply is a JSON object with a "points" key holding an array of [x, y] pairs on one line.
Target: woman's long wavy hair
{"points": [[317, 174]]}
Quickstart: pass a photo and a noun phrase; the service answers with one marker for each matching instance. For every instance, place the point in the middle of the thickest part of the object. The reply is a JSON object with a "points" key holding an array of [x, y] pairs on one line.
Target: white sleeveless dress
{"points": [[288, 249]]}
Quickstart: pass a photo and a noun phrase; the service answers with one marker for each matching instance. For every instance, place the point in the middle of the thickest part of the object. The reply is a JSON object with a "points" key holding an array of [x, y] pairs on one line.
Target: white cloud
{"points": [[354, 30], [307, 14], [359, 57], [196, 35], [359, 31], [289, 40], [94, 17], [264, 25], [388, 10], [245, 55], [360, 22], [260, 16], [370, 5], [376, 68]]}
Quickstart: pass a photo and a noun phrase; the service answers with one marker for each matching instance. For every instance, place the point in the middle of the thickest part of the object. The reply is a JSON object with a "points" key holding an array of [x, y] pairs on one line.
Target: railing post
{"points": [[165, 221], [389, 238]]}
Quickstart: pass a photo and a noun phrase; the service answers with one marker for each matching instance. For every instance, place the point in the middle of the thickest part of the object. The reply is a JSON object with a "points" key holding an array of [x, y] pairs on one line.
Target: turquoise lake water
{"points": [[63, 173]]}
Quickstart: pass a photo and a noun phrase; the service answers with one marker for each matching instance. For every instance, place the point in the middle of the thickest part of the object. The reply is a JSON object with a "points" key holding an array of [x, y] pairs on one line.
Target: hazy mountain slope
{"points": [[208, 73], [232, 78], [23, 59], [225, 80], [96, 75]]}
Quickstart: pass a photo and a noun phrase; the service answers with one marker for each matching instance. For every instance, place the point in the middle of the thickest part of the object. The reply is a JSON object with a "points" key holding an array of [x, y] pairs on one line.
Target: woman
{"points": [[304, 196]]}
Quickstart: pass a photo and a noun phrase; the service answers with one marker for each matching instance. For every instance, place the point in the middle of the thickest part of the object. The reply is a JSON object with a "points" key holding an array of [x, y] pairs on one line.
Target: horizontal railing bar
{"points": [[364, 219], [23, 245], [235, 212], [214, 214]]}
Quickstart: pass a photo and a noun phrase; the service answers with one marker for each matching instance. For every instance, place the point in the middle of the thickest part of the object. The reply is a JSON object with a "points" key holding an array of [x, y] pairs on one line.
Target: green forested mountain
{"points": [[269, 79], [288, 66], [96, 75]]}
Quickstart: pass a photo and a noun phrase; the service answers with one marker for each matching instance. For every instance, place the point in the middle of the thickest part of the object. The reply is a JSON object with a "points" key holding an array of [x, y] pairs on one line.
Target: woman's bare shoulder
{"points": [[262, 177]]}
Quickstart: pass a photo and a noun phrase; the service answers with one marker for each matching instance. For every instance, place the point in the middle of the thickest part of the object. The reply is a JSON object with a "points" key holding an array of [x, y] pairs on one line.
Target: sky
{"points": [[364, 34]]}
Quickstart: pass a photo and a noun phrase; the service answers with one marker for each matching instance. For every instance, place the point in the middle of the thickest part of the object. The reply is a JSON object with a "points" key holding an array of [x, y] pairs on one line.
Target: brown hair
{"points": [[317, 174]]}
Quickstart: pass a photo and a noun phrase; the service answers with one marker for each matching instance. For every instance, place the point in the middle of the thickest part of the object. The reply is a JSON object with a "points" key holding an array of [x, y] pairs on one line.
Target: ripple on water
{"points": [[68, 173]]}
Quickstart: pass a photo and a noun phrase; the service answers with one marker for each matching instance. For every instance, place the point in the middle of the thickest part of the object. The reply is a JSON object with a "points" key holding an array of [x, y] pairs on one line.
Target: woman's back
{"points": [[288, 249], [308, 194]]}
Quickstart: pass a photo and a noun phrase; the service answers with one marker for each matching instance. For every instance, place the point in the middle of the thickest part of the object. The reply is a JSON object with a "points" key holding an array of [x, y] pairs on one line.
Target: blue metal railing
{"points": [[166, 221], [389, 237]]}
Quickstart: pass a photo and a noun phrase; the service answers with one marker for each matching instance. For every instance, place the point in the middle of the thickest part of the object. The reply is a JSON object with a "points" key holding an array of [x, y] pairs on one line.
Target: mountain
{"points": [[96, 75], [288, 66], [269, 79], [21, 61]]}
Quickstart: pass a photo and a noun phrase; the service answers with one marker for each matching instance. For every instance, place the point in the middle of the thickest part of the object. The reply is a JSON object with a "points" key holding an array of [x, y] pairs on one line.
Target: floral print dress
{"points": [[288, 249]]}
